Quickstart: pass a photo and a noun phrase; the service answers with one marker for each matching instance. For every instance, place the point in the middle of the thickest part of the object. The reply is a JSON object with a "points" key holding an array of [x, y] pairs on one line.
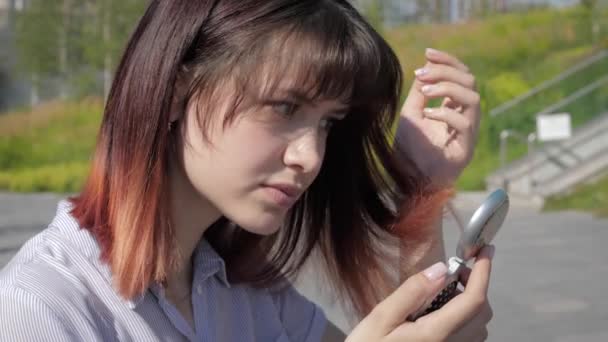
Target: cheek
{"points": [[229, 175], [255, 148], [240, 157]]}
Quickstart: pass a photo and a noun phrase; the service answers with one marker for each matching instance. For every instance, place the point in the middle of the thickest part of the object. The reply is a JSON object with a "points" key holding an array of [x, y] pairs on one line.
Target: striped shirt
{"points": [[56, 289]]}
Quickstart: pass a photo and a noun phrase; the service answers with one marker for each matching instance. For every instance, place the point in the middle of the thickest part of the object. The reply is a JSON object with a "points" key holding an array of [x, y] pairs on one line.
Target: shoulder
{"points": [[58, 260], [25, 316], [43, 304], [46, 262], [50, 285]]}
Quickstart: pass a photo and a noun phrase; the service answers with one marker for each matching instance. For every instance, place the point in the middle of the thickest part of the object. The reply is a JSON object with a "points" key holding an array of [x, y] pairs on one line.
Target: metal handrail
{"points": [[511, 103], [509, 133], [572, 142], [504, 136], [601, 152], [575, 96]]}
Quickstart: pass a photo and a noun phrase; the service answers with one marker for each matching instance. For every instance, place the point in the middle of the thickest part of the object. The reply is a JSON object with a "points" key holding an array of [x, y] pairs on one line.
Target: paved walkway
{"points": [[549, 279]]}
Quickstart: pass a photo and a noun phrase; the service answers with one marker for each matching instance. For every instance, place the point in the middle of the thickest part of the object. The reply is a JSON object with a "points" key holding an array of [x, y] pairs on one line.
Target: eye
{"points": [[285, 108], [328, 123]]}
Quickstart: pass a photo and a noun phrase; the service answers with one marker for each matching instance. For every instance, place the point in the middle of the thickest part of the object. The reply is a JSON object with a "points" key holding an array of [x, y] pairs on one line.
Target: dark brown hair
{"points": [[183, 50]]}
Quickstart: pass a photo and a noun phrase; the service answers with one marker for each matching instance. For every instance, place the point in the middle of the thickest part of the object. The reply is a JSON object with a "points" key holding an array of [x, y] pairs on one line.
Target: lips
{"points": [[283, 195], [289, 190]]}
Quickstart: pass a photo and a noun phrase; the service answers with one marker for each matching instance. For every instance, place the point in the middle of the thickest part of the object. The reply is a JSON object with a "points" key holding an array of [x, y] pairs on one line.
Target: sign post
{"points": [[551, 127]]}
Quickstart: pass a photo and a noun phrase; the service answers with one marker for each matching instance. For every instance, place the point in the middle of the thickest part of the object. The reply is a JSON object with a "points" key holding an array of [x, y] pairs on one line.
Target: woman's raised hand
{"points": [[441, 140], [464, 318]]}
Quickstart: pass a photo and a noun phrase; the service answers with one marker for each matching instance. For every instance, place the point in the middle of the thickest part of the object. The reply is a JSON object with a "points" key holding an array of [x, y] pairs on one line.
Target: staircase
{"points": [[556, 167]]}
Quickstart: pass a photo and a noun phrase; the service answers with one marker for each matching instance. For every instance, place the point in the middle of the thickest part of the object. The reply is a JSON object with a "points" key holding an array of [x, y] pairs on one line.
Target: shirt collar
{"points": [[208, 262]]}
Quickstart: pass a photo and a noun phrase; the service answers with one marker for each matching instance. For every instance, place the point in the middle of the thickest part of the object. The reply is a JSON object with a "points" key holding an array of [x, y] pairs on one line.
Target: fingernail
{"points": [[488, 251], [491, 251], [421, 71], [428, 111], [436, 271], [427, 88], [432, 51]]}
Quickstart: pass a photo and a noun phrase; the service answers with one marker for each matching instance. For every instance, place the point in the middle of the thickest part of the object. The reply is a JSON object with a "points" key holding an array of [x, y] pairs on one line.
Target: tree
{"points": [[73, 41], [105, 35], [37, 32], [374, 12], [590, 7]]}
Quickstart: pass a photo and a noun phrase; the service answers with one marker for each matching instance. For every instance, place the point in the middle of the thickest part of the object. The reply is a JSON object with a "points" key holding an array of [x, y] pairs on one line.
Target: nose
{"points": [[305, 152]]}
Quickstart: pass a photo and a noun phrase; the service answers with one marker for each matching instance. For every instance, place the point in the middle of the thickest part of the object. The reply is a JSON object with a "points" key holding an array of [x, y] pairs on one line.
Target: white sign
{"points": [[553, 127]]}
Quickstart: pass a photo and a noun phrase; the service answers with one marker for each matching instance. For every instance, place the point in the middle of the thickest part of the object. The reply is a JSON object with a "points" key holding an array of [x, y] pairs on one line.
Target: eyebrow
{"points": [[302, 97]]}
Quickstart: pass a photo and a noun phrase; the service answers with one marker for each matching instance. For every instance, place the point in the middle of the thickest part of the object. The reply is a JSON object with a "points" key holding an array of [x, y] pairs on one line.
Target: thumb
{"points": [[411, 295]]}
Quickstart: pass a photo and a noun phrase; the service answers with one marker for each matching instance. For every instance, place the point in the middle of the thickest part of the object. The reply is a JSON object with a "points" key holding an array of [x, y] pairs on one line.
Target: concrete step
{"points": [[584, 136], [582, 173], [576, 159], [469, 201]]}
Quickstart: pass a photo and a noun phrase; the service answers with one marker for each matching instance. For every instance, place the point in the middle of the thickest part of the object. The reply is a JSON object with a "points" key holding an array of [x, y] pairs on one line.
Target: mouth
{"points": [[284, 195]]}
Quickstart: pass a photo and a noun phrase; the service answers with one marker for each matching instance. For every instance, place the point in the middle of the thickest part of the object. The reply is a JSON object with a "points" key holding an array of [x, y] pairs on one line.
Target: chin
{"points": [[265, 231], [262, 223]]}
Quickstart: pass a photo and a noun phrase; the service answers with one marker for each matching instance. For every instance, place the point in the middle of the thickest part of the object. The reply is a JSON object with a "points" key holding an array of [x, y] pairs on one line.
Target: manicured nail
{"points": [[491, 251], [427, 88], [421, 71], [436, 271], [488, 251], [428, 111]]}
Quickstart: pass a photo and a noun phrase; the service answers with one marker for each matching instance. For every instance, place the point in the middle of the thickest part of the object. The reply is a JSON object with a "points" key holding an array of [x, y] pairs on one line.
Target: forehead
{"points": [[303, 84], [302, 64]]}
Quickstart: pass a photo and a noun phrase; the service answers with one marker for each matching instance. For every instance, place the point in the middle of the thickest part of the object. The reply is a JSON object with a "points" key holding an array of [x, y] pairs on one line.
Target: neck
{"points": [[191, 216]]}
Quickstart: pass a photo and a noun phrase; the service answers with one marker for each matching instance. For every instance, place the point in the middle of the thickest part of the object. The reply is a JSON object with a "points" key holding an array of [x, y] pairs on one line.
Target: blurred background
{"points": [[530, 57], [542, 72]]}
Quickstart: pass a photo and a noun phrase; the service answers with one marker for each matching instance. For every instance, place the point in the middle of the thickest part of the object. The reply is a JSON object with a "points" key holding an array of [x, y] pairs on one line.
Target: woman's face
{"points": [[257, 167]]}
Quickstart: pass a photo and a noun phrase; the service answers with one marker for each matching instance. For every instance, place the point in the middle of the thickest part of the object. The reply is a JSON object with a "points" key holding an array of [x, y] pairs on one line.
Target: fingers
{"points": [[445, 76], [476, 329], [484, 335], [408, 298], [481, 337], [451, 117], [465, 273], [457, 92], [441, 67], [441, 57], [470, 303], [479, 279], [464, 276], [431, 330], [431, 73], [415, 100]]}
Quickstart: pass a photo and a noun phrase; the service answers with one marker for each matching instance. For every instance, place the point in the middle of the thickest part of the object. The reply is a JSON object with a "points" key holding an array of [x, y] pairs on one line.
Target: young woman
{"points": [[239, 138]]}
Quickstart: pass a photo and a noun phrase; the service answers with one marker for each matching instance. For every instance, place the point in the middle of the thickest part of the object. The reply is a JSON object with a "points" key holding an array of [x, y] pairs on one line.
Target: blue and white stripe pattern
{"points": [[56, 289]]}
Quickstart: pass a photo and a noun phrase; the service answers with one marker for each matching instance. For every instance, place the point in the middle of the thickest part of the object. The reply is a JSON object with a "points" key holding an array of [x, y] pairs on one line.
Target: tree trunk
{"points": [[63, 49], [107, 61], [34, 97]]}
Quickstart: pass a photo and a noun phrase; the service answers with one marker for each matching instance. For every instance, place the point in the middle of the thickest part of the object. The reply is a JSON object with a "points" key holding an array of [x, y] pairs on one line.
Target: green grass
{"points": [[49, 147], [591, 197], [509, 55], [62, 178]]}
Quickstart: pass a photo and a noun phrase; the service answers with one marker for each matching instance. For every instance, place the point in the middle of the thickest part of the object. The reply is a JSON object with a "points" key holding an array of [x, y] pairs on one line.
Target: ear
{"points": [[179, 101]]}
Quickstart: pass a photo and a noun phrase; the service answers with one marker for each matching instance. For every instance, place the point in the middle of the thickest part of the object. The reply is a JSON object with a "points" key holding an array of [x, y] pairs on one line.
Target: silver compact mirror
{"points": [[480, 231], [484, 225]]}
